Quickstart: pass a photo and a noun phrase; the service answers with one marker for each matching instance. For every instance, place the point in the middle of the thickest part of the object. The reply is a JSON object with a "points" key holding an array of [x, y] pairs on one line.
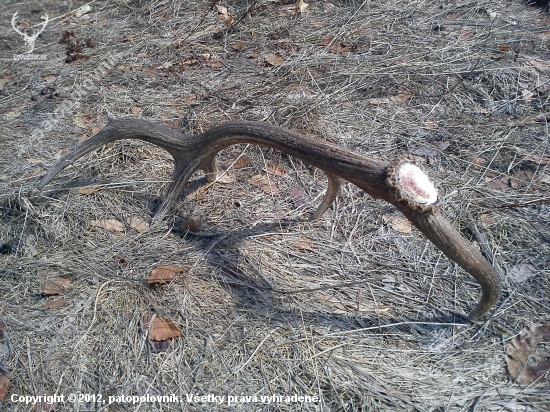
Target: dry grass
{"points": [[344, 308]]}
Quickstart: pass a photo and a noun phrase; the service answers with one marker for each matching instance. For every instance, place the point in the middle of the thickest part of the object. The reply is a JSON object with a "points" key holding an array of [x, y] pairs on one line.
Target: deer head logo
{"points": [[29, 40]]}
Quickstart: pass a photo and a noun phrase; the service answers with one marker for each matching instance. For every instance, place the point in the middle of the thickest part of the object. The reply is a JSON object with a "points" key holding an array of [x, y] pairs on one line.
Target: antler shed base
{"points": [[400, 183]]}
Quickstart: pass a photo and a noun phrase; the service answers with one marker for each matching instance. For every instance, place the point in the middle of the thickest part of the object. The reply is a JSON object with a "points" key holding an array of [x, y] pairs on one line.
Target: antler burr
{"points": [[400, 183]]}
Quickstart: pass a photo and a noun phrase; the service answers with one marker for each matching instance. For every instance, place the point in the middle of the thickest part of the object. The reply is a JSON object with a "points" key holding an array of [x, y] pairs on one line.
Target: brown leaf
{"points": [[275, 60], [87, 190], [522, 272], [161, 328], [268, 186], [398, 223], [504, 47], [478, 161], [326, 41], [224, 16], [303, 244], [500, 184], [403, 97], [466, 36], [56, 286], [55, 304], [243, 161], [164, 274], [339, 48], [238, 46], [276, 170], [112, 225], [190, 98], [136, 109], [481, 110], [216, 65], [528, 361], [4, 384], [453, 16], [298, 195], [138, 224], [431, 124], [300, 7]]}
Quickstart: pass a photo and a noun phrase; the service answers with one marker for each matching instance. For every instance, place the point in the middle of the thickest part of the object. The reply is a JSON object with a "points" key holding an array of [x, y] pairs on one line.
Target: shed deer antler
{"points": [[401, 183]]}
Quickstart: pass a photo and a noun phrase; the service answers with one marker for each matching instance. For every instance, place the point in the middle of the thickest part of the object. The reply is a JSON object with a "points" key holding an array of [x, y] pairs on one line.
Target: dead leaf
{"points": [[431, 124], [522, 178], [528, 361], [87, 190], [522, 272], [478, 161], [403, 97], [4, 384], [530, 157], [275, 60], [339, 48], [276, 170], [216, 65], [487, 221], [466, 36], [112, 225], [195, 193], [55, 304], [326, 41], [298, 195], [268, 186], [302, 244], [242, 162], [161, 328], [138, 224], [300, 7], [190, 98], [224, 16], [136, 109], [499, 184], [504, 47], [398, 223], [453, 16], [56, 286], [164, 274], [481, 110], [239, 46]]}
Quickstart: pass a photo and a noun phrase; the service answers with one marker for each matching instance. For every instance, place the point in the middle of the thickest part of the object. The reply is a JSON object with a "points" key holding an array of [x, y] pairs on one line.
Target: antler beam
{"points": [[400, 183]]}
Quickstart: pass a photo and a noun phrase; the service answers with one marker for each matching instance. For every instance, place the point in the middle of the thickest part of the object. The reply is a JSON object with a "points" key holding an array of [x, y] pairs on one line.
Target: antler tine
{"points": [[400, 183]]}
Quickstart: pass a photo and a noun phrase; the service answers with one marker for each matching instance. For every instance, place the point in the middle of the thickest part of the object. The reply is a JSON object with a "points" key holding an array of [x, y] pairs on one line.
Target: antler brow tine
{"points": [[400, 183]]}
